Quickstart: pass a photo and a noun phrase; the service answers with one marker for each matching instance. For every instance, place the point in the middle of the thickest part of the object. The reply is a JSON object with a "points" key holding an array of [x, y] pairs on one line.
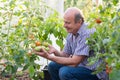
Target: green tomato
{"points": [[38, 48], [46, 48], [32, 45], [19, 73], [45, 44]]}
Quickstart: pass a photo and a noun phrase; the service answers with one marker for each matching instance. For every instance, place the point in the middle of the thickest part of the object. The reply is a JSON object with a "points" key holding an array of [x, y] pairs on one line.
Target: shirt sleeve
{"points": [[67, 47]]}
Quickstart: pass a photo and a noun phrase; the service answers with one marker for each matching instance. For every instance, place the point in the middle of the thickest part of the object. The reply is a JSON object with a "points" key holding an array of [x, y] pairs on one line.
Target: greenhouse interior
{"points": [[43, 40]]}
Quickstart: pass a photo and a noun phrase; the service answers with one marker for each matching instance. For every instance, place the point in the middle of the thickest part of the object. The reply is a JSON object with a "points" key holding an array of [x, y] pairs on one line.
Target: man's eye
{"points": [[68, 22]]}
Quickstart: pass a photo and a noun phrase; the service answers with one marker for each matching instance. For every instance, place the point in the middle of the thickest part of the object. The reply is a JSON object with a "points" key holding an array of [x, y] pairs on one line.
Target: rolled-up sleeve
{"points": [[67, 48]]}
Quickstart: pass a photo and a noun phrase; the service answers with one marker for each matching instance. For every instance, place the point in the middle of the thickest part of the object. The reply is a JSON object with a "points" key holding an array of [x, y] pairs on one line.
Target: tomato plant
{"points": [[21, 25], [105, 41]]}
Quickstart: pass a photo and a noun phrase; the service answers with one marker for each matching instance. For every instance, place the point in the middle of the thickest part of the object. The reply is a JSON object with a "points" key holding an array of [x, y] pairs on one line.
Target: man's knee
{"points": [[64, 73], [51, 65]]}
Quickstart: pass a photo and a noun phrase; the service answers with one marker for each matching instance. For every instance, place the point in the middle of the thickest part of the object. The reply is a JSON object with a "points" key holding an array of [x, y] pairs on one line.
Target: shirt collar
{"points": [[82, 28]]}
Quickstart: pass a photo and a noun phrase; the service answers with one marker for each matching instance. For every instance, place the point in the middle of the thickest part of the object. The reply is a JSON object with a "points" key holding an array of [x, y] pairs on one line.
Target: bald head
{"points": [[75, 13]]}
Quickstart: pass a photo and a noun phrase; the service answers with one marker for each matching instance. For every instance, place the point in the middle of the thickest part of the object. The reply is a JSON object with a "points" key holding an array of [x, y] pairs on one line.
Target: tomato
{"points": [[45, 44], [108, 69], [31, 36], [37, 43], [98, 20], [4, 65], [29, 54], [46, 48], [38, 48], [33, 45]]}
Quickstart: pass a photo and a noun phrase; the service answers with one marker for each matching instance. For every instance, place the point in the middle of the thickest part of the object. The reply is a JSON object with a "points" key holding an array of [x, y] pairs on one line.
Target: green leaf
{"points": [[26, 3], [14, 69], [115, 75], [26, 67], [105, 41], [115, 2], [60, 43], [114, 34], [31, 71]]}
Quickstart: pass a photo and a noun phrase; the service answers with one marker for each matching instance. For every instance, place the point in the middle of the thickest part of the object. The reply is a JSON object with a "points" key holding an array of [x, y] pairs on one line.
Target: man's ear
{"points": [[80, 21]]}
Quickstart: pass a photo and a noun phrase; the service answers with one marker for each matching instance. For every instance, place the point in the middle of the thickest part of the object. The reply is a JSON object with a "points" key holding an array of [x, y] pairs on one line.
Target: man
{"points": [[71, 63]]}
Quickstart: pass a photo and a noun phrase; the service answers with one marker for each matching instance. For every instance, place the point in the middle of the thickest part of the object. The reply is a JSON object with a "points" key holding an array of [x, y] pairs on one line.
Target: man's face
{"points": [[69, 24]]}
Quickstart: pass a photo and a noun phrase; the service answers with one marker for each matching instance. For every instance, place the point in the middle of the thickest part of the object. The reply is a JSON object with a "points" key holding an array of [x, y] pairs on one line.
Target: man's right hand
{"points": [[51, 50]]}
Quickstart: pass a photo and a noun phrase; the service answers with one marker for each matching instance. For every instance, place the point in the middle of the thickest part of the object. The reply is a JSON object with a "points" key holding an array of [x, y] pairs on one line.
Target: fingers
{"points": [[49, 45], [36, 52], [43, 50]]}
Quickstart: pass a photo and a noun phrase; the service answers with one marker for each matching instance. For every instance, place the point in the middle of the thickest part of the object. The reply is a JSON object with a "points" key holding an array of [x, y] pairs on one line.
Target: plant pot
{"points": [[46, 73]]}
